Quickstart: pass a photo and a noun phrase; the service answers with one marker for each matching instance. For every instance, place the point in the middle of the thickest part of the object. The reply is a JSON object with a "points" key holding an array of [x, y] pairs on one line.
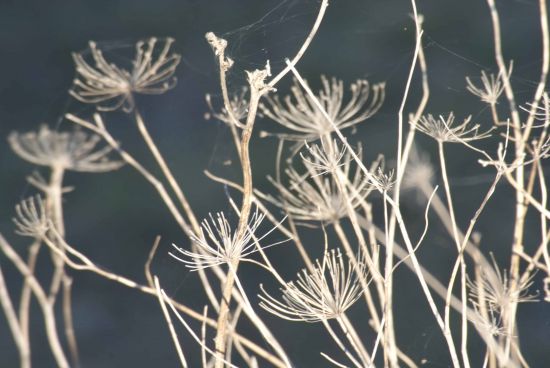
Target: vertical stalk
{"points": [[26, 293], [55, 211], [461, 263], [521, 208], [55, 207], [223, 315]]}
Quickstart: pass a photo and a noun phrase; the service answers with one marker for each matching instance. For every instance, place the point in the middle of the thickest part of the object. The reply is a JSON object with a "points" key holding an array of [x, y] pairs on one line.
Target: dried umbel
{"points": [[300, 114], [325, 293], [489, 322], [31, 218], [324, 158], [383, 181], [491, 89], [110, 86], [74, 150], [498, 293], [239, 106], [314, 197], [219, 244], [443, 129]]}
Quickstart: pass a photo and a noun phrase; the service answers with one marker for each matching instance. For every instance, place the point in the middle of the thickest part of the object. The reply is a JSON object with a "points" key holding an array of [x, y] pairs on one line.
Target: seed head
{"points": [[443, 129], [313, 197], [31, 218], [74, 150], [219, 244], [491, 89], [110, 86], [299, 113], [327, 292]]}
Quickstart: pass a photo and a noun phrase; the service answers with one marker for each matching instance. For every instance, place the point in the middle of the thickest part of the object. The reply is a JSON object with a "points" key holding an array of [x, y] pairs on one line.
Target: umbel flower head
{"points": [[314, 197], [491, 89], [325, 293], [219, 244], [324, 158], [74, 150], [239, 107], [443, 129], [300, 114], [497, 292], [31, 218], [110, 86]]}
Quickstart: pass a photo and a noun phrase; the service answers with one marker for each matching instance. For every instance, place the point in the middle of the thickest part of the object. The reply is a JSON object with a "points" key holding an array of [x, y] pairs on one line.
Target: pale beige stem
{"points": [[26, 292], [88, 265], [519, 142], [68, 319], [167, 172], [354, 339], [55, 209], [54, 200], [460, 263], [19, 337], [43, 302], [303, 48], [223, 314], [99, 128], [400, 221], [173, 333]]}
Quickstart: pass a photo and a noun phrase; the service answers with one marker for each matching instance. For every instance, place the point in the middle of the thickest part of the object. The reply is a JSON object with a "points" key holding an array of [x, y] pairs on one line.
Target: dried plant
{"points": [[73, 150], [239, 107], [311, 197], [324, 159], [219, 244], [111, 87], [443, 129], [491, 89], [498, 293], [31, 219], [324, 293], [325, 192], [299, 113]]}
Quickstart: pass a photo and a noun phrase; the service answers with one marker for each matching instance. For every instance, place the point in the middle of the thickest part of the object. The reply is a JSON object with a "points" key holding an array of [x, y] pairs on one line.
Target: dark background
{"points": [[114, 218]]}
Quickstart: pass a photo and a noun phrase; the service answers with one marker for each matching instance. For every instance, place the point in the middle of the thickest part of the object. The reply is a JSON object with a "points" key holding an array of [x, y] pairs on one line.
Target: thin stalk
{"points": [[54, 200], [353, 338], [14, 325], [266, 333], [400, 221], [460, 263], [519, 143], [43, 301], [171, 328], [88, 265], [223, 315], [26, 292], [68, 319], [166, 172]]}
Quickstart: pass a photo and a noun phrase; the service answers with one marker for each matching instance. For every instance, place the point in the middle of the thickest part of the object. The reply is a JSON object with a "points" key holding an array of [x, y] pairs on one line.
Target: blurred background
{"points": [[115, 217]]}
